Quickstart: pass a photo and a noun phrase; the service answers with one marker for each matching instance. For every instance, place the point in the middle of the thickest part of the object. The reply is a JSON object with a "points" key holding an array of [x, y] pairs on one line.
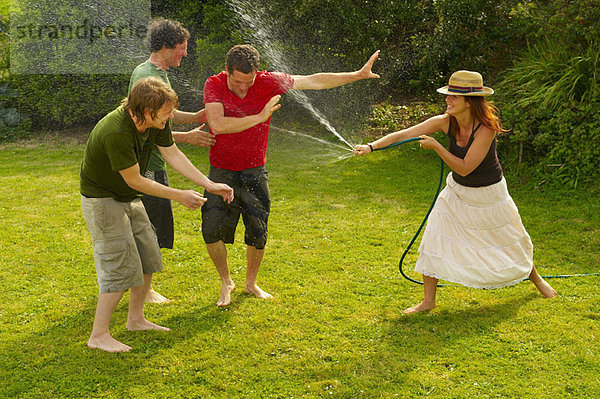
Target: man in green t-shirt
{"points": [[125, 247], [167, 41]]}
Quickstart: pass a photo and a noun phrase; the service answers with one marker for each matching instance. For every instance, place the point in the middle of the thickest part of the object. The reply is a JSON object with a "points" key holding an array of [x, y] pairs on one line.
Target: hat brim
{"points": [[487, 91]]}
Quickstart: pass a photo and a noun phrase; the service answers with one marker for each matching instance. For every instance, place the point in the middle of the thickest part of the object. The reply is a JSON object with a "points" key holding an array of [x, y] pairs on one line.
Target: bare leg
{"points": [[135, 316], [254, 258], [100, 337], [429, 288], [545, 289], [218, 254]]}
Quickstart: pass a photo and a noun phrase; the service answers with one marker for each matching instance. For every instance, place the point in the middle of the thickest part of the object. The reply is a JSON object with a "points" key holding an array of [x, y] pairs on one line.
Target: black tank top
{"points": [[489, 170]]}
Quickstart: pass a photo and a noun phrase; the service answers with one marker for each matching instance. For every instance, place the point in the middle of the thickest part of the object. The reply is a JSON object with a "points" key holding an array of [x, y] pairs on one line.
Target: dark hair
{"points": [[243, 58], [484, 112], [149, 94], [165, 32]]}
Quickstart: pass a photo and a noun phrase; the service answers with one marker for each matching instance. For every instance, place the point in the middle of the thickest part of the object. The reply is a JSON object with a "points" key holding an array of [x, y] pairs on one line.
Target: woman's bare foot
{"points": [[107, 343], [225, 297], [422, 307], [154, 297], [543, 287], [257, 292], [140, 325]]}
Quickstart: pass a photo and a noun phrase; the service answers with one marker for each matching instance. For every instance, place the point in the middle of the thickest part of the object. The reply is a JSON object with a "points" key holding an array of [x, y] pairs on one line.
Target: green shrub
{"points": [[551, 99], [219, 35], [13, 123], [476, 35], [395, 117], [60, 101], [386, 118]]}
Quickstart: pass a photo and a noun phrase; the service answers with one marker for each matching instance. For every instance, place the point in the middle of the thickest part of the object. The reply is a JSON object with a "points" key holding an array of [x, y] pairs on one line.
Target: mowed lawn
{"points": [[335, 327]]}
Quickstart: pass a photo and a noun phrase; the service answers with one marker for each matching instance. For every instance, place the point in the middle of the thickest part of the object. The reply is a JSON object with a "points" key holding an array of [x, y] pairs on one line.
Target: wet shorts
{"points": [[160, 211], [251, 199], [124, 242]]}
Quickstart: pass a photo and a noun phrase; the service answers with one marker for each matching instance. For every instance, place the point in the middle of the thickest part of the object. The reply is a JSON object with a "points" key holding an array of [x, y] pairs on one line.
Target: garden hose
{"points": [[412, 241]]}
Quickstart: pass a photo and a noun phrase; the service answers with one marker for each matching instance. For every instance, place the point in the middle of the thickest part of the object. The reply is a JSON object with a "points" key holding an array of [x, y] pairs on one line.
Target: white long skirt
{"points": [[475, 237]]}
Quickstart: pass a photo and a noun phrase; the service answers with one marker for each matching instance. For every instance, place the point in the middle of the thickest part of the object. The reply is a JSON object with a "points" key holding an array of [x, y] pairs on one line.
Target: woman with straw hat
{"points": [[474, 234]]}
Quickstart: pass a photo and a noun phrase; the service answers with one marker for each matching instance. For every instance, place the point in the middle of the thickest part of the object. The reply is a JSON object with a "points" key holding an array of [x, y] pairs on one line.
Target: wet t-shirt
{"points": [[248, 148]]}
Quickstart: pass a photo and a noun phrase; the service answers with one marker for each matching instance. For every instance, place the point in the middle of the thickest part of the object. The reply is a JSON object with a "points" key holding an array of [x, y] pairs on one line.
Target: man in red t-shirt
{"points": [[239, 103]]}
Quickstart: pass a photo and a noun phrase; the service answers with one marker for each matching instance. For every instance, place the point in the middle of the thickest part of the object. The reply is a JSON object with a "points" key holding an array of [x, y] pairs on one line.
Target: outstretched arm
{"points": [[189, 117], [426, 128], [196, 136], [320, 81]]}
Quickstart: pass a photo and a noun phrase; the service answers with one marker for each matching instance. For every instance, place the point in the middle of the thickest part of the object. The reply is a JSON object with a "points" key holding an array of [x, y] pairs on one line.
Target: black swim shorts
{"points": [[252, 200], [160, 211]]}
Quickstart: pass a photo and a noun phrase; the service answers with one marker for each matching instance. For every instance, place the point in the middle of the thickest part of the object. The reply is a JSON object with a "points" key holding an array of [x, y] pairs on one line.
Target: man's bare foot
{"points": [[144, 324], [257, 292], [154, 297], [107, 343], [225, 297], [422, 307]]}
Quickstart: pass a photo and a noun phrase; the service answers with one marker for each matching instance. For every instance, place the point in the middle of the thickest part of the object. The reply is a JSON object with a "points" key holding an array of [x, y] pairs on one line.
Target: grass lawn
{"points": [[334, 328]]}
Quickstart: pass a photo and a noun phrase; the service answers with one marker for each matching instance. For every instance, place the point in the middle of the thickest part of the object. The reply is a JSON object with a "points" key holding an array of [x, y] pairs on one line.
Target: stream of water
{"points": [[252, 17]]}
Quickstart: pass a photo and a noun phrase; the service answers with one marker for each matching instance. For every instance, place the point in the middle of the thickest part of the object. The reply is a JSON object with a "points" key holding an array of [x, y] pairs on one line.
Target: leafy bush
{"points": [[13, 123], [477, 35], [386, 118], [59, 101], [551, 99], [317, 35], [52, 101], [218, 36]]}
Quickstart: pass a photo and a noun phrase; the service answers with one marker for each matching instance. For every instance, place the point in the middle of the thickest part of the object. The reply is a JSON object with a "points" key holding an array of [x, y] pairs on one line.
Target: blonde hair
{"points": [[149, 95]]}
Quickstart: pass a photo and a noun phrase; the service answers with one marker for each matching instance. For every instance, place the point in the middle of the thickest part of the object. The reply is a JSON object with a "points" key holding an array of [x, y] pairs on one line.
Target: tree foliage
{"points": [[541, 55], [550, 96]]}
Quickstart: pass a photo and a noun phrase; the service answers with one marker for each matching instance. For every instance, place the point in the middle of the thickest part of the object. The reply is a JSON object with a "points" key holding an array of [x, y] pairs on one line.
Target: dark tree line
{"points": [[542, 56]]}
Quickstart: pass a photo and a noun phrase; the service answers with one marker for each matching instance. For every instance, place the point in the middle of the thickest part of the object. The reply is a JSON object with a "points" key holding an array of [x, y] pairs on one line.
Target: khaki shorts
{"points": [[124, 242], [252, 200]]}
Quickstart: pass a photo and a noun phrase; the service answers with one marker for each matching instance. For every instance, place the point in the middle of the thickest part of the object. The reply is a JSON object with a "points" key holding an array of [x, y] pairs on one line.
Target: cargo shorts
{"points": [[124, 242]]}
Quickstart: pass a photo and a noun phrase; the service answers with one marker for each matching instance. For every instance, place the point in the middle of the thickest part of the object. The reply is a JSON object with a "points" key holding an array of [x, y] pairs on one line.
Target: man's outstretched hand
{"points": [[366, 71]]}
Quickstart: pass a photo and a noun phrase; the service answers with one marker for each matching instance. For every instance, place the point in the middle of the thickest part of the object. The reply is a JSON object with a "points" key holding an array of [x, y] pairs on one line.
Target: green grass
{"points": [[334, 328]]}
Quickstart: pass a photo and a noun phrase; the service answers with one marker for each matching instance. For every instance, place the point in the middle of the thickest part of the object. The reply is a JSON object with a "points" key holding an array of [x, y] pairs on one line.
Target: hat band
{"points": [[465, 89]]}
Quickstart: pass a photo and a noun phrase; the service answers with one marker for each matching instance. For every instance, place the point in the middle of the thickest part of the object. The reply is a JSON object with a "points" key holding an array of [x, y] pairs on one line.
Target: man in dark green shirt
{"points": [[126, 251]]}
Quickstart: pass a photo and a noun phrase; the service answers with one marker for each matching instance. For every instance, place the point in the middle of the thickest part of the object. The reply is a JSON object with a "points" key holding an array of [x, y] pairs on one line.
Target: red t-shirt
{"points": [[248, 148]]}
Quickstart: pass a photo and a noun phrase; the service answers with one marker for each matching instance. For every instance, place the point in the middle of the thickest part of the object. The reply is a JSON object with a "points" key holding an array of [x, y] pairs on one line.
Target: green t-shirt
{"points": [[115, 144], [145, 70]]}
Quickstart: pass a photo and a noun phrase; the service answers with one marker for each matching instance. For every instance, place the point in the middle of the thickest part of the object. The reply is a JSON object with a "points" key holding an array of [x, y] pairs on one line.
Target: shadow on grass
{"points": [[448, 328], [205, 318], [56, 359], [431, 343]]}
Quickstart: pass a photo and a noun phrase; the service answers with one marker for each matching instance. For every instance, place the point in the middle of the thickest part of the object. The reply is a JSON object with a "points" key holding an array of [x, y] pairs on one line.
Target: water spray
{"points": [[311, 137], [254, 18]]}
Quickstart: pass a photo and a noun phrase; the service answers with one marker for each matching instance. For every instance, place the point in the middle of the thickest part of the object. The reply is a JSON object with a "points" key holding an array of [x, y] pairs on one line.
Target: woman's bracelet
{"points": [[371, 147]]}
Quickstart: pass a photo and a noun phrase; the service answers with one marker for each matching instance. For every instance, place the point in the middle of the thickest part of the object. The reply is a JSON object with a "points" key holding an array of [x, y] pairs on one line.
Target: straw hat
{"points": [[466, 83]]}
